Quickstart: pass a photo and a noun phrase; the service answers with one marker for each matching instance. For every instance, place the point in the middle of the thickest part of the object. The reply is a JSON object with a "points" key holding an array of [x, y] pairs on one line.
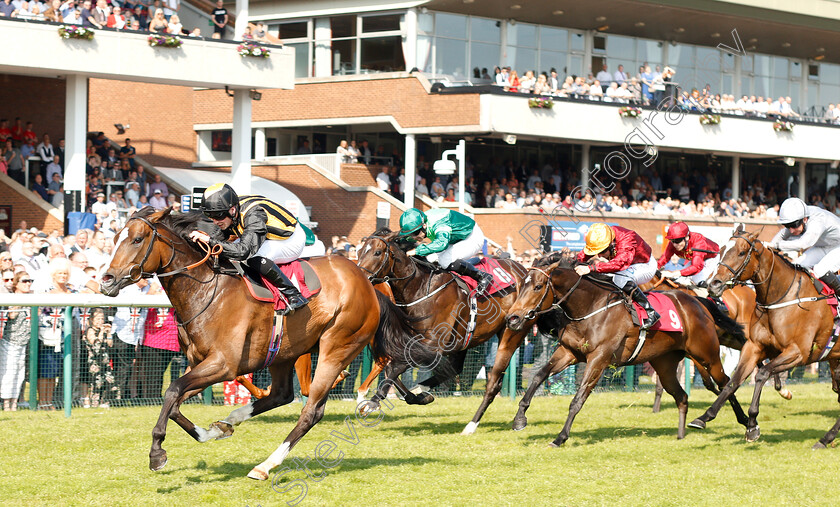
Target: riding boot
{"points": [[832, 281], [465, 268], [273, 274], [639, 297]]}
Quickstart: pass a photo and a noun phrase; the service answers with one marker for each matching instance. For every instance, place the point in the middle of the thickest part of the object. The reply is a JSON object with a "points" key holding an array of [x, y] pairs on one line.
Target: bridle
{"points": [[736, 273], [372, 275], [533, 313]]}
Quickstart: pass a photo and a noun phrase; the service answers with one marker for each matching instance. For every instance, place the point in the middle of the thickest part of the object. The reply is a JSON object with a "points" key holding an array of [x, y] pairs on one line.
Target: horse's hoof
{"points": [[786, 394], [554, 445], [752, 434], [157, 462], [697, 424], [818, 446], [368, 407], [423, 398], [257, 474], [470, 428], [519, 423], [225, 428]]}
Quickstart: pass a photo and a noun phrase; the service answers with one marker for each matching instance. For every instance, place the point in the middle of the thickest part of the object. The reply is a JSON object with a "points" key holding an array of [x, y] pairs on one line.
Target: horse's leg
{"points": [[559, 361], [666, 367], [392, 374], [779, 385], [206, 373], [255, 391], [508, 344], [715, 371], [835, 382], [750, 356], [365, 386], [595, 366], [325, 374], [833, 364], [456, 359], [784, 361], [303, 368], [657, 398]]}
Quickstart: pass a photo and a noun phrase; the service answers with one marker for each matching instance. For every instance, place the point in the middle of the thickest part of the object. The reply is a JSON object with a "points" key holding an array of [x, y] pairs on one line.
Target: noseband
{"points": [[736, 273], [372, 275], [533, 313]]}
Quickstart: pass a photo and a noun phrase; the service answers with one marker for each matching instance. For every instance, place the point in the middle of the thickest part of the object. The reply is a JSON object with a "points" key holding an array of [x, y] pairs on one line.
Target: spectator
{"points": [[620, 76], [132, 194], [421, 188], [97, 376], [175, 27], [54, 167], [158, 349], [170, 9], [158, 184], [14, 344], [116, 18], [157, 201], [99, 208], [39, 189], [54, 186], [383, 180], [6, 9], [129, 326], [220, 19], [141, 17], [51, 334], [541, 87], [354, 152], [158, 24], [95, 252], [437, 189], [526, 85], [343, 152], [304, 148], [604, 76]]}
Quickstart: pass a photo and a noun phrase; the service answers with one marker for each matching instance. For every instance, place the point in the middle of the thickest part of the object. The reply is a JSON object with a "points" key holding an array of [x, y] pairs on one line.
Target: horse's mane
{"points": [[565, 260], [784, 258], [183, 224]]}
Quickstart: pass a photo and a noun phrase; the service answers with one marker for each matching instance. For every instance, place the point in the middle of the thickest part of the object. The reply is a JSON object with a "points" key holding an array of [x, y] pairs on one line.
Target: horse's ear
{"points": [[739, 229], [159, 215]]}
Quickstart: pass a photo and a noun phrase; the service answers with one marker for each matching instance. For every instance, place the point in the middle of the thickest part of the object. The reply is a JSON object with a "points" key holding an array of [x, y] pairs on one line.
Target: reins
{"points": [[558, 302]]}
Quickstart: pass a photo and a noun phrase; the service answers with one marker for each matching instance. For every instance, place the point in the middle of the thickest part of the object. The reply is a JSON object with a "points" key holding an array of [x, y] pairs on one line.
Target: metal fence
{"points": [[81, 353]]}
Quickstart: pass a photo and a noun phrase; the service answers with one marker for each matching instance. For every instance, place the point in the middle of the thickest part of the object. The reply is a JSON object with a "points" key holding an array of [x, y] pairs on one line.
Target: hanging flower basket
{"points": [[167, 41], [75, 32], [629, 112], [783, 126], [254, 50], [709, 119], [540, 103]]}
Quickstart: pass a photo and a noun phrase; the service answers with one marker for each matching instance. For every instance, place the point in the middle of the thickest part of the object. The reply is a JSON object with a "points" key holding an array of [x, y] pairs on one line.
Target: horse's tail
{"points": [[397, 340], [732, 335]]}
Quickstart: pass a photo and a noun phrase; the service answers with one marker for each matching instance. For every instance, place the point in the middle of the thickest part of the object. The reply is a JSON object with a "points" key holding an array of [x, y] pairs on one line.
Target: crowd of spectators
{"points": [[120, 354]]}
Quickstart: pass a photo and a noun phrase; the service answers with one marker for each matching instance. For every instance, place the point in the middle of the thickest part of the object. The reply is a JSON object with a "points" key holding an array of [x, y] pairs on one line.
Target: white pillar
{"points": [[410, 43], [75, 134], [259, 144], [241, 143], [736, 176], [241, 19], [323, 47], [410, 169], [584, 169], [802, 182]]}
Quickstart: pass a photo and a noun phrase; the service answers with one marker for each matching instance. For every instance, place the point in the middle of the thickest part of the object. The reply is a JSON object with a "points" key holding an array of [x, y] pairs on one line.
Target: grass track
{"points": [[619, 453]]}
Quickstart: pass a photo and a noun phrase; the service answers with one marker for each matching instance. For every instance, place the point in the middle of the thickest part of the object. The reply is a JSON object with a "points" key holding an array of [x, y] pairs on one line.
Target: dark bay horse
{"points": [[225, 332], [442, 311], [740, 301], [596, 328], [794, 327]]}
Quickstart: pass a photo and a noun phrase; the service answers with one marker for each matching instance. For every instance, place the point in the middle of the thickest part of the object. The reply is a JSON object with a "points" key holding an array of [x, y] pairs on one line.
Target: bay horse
{"points": [[595, 327], [740, 302], [794, 326], [441, 309], [224, 332]]}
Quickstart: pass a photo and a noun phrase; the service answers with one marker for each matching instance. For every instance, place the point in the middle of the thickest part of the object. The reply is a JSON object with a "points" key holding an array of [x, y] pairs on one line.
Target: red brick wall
{"points": [[40, 100], [161, 119], [25, 209], [357, 175]]}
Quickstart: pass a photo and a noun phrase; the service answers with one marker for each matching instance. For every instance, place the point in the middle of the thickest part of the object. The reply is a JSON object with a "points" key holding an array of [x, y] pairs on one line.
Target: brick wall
{"points": [[357, 175], [40, 100], [161, 119], [24, 208]]}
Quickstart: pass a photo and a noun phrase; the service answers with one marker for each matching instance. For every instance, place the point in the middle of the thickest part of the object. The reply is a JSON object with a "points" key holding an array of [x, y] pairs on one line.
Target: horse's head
{"points": [[537, 295], [738, 261], [381, 254], [139, 251]]}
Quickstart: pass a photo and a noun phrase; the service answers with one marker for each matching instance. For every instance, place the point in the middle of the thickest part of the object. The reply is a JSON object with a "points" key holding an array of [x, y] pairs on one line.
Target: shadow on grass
{"points": [[604, 434], [334, 417]]}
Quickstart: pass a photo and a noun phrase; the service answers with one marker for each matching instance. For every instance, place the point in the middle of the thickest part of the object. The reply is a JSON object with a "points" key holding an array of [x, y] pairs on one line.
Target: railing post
{"points": [[629, 374], [208, 395], [33, 358], [68, 361], [511, 371], [687, 376], [367, 363]]}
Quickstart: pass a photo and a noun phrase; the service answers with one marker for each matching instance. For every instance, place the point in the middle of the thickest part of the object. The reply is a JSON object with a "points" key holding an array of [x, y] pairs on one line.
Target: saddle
{"points": [[502, 280], [299, 272], [670, 320]]}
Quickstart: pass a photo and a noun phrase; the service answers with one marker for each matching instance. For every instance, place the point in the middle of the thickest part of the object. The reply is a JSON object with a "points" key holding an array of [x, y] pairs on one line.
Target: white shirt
{"points": [[383, 181], [129, 328]]}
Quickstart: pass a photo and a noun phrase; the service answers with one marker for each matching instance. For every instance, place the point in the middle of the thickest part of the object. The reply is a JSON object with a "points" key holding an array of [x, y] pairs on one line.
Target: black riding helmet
{"points": [[218, 199]]}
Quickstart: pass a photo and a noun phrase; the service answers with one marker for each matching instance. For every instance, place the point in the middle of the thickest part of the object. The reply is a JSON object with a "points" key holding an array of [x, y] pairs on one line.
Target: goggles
{"points": [[793, 225]]}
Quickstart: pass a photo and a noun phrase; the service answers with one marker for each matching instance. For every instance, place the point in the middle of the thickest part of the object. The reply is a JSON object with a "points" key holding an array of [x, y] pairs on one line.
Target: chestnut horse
{"points": [[794, 327], [441, 309], [740, 301], [595, 327], [225, 332]]}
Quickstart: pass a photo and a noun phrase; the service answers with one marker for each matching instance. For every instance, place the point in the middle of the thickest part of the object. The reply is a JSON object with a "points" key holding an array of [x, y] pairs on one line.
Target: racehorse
{"points": [[224, 332], [740, 301], [794, 327], [441, 308], [595, 327]]}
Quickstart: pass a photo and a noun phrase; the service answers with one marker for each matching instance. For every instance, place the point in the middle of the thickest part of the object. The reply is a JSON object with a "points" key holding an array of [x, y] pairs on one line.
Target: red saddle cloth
{"points": [[669, 318], [501, 278], [828, 291], [294, 271]]}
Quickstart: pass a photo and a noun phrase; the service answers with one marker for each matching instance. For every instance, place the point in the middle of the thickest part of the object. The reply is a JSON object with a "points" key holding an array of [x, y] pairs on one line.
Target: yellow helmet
{"points": [[598, 238]]}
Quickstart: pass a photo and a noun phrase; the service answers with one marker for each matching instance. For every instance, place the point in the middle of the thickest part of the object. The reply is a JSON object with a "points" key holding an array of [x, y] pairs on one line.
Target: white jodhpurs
{"points": [[709, 268], [822, 260], [637, 273], [464, 249], [283, 251]]}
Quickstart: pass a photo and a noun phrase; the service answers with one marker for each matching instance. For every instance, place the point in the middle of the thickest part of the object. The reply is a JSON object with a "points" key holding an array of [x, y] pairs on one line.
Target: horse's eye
{"points": [[741, 254], [377, 253], [137, 240], [538, 287]]}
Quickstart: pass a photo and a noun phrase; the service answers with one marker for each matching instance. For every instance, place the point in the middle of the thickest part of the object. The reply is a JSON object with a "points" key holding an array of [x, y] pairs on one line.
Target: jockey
{"points": [[625, 257], [703, 253], [267, 233], [814, 230], [456, 239]]}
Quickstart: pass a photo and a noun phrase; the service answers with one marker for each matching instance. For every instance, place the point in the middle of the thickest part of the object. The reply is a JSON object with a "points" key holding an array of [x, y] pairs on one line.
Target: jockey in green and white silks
{"points": [[455, 240]]}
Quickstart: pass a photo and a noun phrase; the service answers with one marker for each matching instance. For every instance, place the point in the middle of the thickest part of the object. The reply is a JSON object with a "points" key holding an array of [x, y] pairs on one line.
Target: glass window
{"points": [[727, 86], [301, 58], [386, 23], [552, 60], [829, 94], [793, 92], [780, 68], [523, 35], [762, 65], [485, 30], [426, 23], [746, 63], [297, 30], [575, 66], [746, 85], [829, 73], [522, 59], [621, 47], [707, 58], [648, 51], [451, 57], [424, 53], [710, 77], [762, 85], [682, 56], [343, 54], [554, 39], [484, 55], [728, 62], [779, 87], [343, 26], [450, 25], [382, 54], [577, 42]]}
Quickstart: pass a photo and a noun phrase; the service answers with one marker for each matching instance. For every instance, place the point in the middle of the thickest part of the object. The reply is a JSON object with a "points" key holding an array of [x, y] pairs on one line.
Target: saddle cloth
{"points": [[299, 272], [669, 318], [825, 290], [501, 278]]}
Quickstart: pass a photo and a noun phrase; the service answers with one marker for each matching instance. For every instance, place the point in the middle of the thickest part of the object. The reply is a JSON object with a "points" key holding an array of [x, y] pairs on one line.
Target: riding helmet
{"points": [[598, 238], [792, 209], [677, 230], [219, 197], [411, 221]]}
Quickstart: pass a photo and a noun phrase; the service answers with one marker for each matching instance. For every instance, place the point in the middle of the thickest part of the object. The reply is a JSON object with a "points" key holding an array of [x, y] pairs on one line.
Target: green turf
{"points": [[619, 453]]}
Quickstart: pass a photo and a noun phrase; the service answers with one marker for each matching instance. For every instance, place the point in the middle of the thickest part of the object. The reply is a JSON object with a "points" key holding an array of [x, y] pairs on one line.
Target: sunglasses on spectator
{"points": [[794, 225], [9, 279], [26, 280]]}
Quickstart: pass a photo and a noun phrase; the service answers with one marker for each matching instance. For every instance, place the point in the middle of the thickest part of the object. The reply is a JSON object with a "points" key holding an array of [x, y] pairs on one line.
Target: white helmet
{"points": [[792, 209]]}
